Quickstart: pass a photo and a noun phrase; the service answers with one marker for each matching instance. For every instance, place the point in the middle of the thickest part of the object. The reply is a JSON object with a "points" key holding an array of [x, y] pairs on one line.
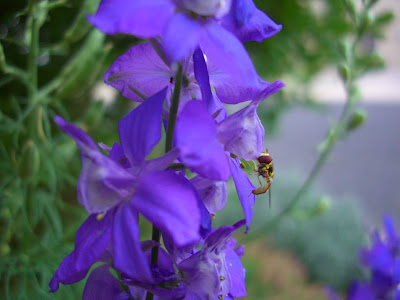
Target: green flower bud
{"points": [[355, 94], [322, 206], [344, 71], [356, 120], [29, 162], [4, 249], [344, 49]]}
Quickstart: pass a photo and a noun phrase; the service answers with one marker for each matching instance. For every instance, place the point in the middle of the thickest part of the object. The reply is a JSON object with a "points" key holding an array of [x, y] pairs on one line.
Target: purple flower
{"points": [[123, 185], [184, 25], [216, 269], [241, 134], [383, 259], [141, 72], [248, 23]]}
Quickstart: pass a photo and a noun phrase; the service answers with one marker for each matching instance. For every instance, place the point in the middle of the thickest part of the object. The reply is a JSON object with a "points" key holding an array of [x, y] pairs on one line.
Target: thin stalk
{"points": [[156, 233], [33, 54]]}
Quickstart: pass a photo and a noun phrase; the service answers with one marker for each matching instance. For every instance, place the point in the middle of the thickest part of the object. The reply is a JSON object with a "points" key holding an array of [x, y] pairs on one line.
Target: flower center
{"points": [[208, 8]]}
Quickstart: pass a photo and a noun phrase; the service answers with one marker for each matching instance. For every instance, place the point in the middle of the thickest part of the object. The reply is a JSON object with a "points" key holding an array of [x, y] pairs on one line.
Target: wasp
{"points": [[264, 168]]}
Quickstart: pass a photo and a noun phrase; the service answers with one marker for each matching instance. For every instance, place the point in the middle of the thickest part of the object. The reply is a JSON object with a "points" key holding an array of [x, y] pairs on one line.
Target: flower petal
{"points": [[242, 133], [181, 37], [237, 273], [81, 138], [142, 18], [202, 277], [170, 202], [195, 137], [140, 130], [249, 23], [102, 184], [227, 53], [101, 285], [128, 255], [91, 240], [160, 163], [213, 193], [244, 188], [139, 71], [213, 104]]}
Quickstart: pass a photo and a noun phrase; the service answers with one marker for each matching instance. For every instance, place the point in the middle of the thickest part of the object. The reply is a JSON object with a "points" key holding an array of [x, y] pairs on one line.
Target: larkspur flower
{"points": [[210, 270], [383, 260], [123, 185], [141, 72], [184, 25], [241, 134]]}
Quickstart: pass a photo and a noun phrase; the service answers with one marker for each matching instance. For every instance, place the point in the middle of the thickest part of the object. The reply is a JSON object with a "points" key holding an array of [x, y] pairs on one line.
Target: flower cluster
{"points": [[193, 63], [383, 260]]}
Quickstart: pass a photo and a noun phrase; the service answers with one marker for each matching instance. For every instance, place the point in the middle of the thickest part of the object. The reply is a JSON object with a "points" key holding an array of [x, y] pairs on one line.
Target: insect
{"points": [[265, 169]]}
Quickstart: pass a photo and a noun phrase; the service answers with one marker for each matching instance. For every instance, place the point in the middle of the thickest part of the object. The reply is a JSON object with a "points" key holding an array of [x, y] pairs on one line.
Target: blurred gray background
{"points": [[365, 166]]}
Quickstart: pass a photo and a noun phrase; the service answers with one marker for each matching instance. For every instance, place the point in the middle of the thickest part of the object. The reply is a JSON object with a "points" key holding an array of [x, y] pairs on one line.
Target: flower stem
{"points": [[156, 233], [33, 52]]}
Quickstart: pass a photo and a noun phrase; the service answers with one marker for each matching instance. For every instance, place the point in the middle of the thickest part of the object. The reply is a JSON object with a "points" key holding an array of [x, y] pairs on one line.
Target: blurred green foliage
{"points": [[51, 60]]}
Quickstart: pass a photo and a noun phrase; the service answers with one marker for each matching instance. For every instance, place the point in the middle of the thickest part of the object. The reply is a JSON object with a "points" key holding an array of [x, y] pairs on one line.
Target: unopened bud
{"points": [[375, 60], [29, 163], [356, 120], [345, 48], [4, 249], [355, 94], [344, 71], [323, 205]]}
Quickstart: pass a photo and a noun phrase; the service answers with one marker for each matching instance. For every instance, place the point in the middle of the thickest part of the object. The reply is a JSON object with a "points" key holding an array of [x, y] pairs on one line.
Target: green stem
{"points": [[334, 135], [156, 233], [33, 54]]}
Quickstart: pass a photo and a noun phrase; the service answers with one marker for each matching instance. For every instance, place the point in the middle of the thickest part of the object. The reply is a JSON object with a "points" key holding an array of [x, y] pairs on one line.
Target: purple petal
{"points": [[139, 71], [202, 277], [360, 291], [160, 163], [249, 23], [378, 258], [227, 53], [212, 102], [91, 240], [237, 273], [195, 137], [169, 202], [81, 138], [181, 37], [102, 183], [142, 18], [140, 130], [118, 155], [240, 251], [128, 255], [101, 285], [244, 189], [217, 241], [213, 193], [242, 133]]}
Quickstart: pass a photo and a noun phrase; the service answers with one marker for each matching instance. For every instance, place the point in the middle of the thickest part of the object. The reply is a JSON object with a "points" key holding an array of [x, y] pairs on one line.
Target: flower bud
{"points": [[29, 162], [4, 249], [322, 206], [355, 94], [344, 71], [356, 120]]}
